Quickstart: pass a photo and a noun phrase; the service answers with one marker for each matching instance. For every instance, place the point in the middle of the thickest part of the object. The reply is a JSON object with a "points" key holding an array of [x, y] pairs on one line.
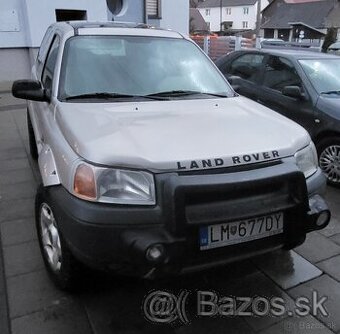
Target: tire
{"points": [[31, 138], [329, 159], [65, 269]]}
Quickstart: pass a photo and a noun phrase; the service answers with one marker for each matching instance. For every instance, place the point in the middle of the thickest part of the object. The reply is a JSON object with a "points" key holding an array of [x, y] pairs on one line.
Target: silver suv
{"points": [[151, 164]]}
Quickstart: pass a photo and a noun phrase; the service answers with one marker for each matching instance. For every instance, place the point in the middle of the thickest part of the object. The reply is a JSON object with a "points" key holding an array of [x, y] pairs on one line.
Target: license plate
{"points": [[220, 235]]}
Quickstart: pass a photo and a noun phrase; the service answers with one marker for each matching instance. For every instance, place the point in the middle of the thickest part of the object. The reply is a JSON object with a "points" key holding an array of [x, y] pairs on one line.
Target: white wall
{"points": [[132, 11], [13, 27], [96, 11], [175, 15], [34, 16], [237, 16], [14, 64]]}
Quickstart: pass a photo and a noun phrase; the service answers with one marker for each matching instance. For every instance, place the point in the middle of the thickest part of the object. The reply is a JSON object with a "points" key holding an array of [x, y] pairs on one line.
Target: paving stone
{"points": [[287, 269], [334, 206], [6, 119], [335, 238], [12, 153], [22, 258], [18, 231], [259, 285], [16, 209], [332, 195], [17, 191], [323, 286], [15, 164], [306, 325], [332, 228], [4, 323], [331, 267], [16, 176], [118, 309], [7, 99], [115, 305], [32, 292], [12, 143], [69, 318], [317, 248], [217, 326]]}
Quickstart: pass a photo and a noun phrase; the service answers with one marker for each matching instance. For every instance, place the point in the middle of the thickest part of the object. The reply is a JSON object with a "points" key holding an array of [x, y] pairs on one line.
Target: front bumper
{"points": [[118, 237]]}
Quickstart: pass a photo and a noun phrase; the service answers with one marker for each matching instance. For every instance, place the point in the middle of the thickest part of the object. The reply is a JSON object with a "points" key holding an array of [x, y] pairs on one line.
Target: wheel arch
{"points": [[325, 135]]}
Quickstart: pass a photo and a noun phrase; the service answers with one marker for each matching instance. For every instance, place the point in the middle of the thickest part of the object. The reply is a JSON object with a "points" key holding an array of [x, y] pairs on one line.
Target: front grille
{"points": [[194, 200]]}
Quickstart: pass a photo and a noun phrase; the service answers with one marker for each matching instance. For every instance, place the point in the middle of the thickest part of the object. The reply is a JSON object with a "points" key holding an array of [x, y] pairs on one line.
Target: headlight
{"points": [[307, 160], [109, 185]]}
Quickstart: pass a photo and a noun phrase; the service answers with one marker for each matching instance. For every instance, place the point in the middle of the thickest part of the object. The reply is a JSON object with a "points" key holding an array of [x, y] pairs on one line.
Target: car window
{"points": [[324, 74], [134, 65], [247, 66], [44, 45], [279, 73], [47, 76]]}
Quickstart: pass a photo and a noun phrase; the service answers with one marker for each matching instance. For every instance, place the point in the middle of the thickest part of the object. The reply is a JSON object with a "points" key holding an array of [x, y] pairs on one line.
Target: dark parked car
{"points": [[303, 86]]}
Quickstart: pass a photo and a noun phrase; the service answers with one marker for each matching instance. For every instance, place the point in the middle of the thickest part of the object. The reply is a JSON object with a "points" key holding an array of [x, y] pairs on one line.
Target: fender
{"points": [[48, 167]]}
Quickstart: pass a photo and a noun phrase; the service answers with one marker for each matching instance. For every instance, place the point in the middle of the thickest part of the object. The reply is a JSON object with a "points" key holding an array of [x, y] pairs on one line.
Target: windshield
{"points": [[323, 73], [137, 66]]}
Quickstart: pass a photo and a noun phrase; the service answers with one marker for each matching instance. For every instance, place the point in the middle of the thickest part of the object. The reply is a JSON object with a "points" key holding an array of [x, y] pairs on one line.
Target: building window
{"points": [[245, 24], [208, 26], [70, 15], [153, 9], [245, 10], [228, 11], [207, 12]]}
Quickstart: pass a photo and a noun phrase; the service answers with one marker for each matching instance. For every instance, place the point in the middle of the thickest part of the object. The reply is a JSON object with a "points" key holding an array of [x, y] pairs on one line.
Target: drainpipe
{"points": [[145, 12], [221, 15], [258, 18]]}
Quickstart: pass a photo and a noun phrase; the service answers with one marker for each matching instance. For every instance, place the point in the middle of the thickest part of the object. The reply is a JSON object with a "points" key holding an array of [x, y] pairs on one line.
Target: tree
{"points": [[330, 38], [195, 3]]}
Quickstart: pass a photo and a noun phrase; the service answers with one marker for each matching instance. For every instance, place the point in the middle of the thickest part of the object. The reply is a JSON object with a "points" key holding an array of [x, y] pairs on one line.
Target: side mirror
{"points": [[293, 91], [29, 90], [235, 82]]}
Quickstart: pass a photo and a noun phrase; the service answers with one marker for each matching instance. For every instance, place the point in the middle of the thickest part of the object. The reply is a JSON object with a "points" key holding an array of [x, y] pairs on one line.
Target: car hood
{"points": [[172, 135]]}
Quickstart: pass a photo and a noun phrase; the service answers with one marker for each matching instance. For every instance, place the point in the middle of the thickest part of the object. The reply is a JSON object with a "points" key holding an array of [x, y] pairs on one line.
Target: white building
{"points": [[24, 22], [234, 15]]}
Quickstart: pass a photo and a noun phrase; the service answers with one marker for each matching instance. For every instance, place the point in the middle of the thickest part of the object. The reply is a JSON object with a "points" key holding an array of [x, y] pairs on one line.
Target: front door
{"points": [[280, 72]]}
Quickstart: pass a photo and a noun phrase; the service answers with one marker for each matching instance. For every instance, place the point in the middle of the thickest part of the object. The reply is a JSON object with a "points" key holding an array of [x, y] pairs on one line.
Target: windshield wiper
{"points": [[331, 92], [175, 93], [107, 96]]}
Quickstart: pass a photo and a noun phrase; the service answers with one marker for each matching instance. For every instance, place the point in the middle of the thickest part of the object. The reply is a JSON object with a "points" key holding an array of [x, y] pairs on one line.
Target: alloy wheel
{"points": [[50, 237], [330, 163]]}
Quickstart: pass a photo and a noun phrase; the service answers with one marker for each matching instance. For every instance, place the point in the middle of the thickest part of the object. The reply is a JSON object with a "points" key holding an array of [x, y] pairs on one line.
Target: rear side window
{"points": [[279, 73], [247, 66], [48, 72]]}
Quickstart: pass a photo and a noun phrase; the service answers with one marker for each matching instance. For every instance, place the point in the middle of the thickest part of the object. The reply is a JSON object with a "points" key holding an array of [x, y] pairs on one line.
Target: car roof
{"points": [[294, 54], [114, 28], [335, 45]]}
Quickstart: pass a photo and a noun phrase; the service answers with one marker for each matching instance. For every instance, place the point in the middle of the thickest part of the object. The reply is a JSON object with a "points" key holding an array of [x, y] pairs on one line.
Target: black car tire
{"points": [[67, 276], [31, 138], [329, 159]]}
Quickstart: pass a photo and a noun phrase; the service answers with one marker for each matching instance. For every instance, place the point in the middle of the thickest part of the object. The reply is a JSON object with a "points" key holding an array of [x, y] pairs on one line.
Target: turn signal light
{"points": [[84, 182]]}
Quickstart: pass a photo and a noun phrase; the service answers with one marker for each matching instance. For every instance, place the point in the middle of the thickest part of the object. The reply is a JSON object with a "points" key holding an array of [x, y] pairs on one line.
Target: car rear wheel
{"points": [[329, 159], [31, 138], [62, 267]]}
